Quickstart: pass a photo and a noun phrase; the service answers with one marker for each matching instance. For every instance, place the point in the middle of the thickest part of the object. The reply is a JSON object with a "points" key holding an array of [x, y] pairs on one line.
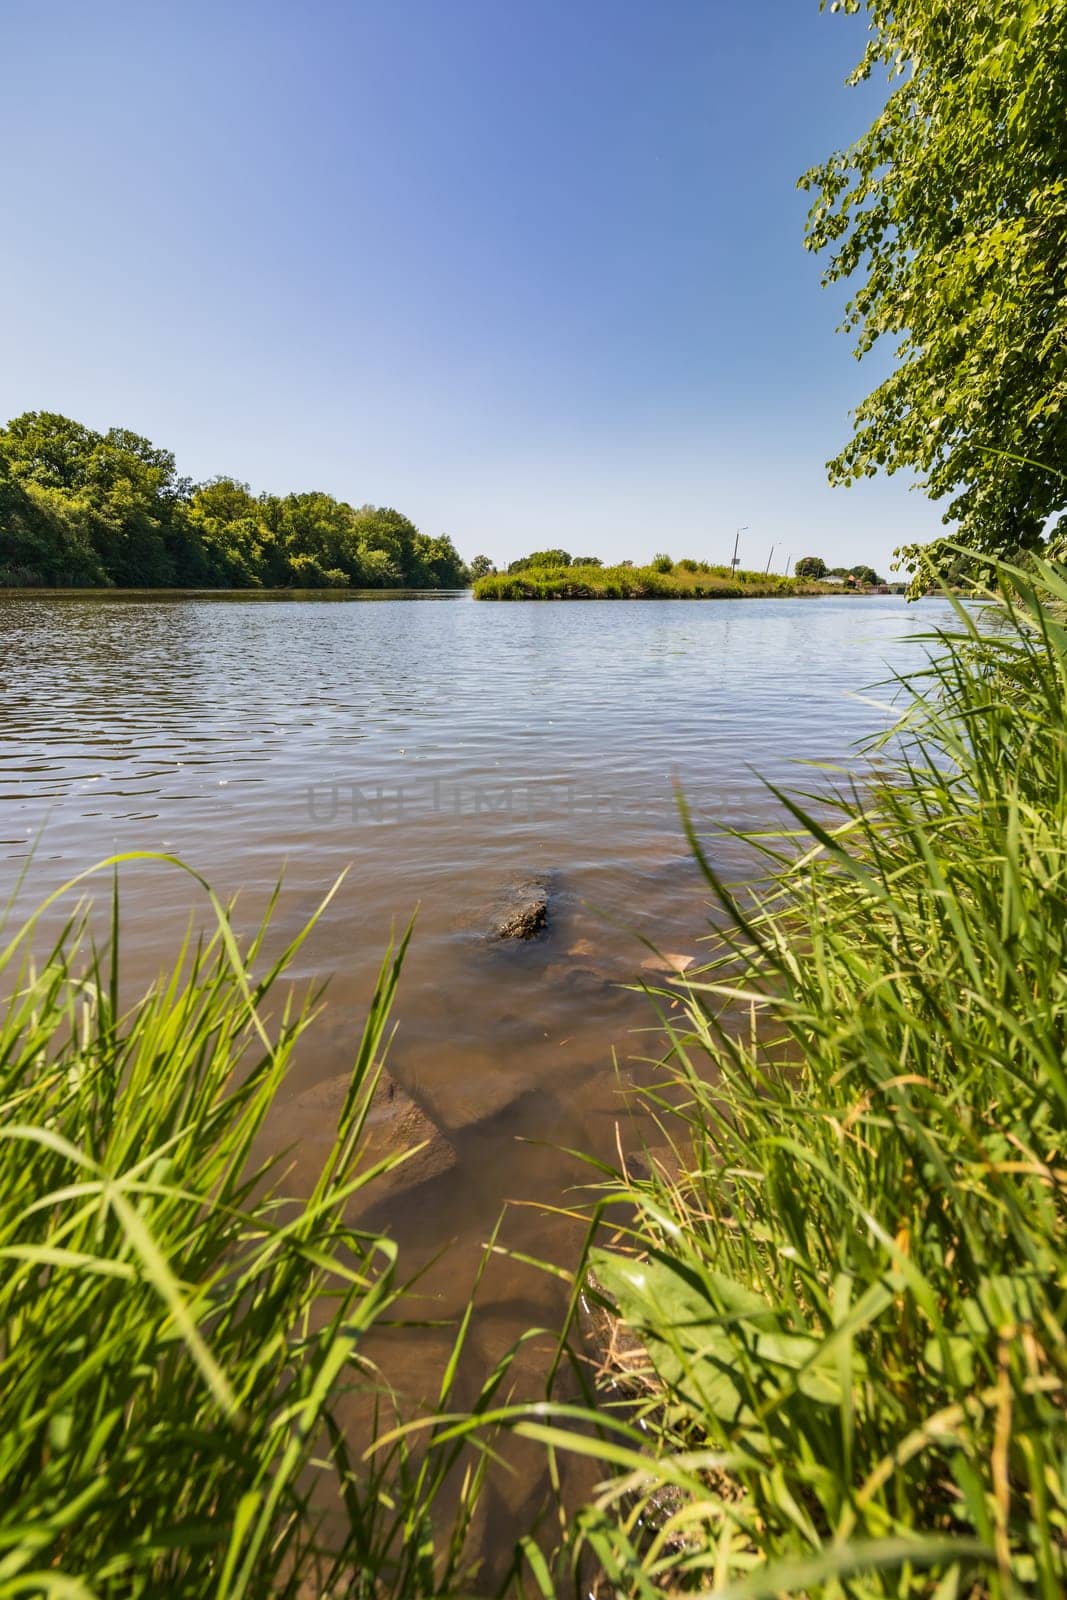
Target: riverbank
{"points": [[695, 581], [90, 592]]}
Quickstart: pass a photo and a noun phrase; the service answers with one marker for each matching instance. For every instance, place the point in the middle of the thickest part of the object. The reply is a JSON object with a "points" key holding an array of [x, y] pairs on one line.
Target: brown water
{"points": [[437, 750]]}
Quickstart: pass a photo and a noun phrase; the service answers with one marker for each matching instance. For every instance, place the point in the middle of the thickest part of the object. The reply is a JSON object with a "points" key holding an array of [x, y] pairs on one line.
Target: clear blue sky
{"points": [[530, 270]]}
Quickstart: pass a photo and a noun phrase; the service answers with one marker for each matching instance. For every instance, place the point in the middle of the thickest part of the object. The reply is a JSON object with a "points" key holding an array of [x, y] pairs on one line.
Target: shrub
{"points": [[662, 563]]}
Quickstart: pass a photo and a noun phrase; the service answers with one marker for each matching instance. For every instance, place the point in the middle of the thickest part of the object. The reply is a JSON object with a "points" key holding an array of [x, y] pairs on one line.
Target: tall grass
{"points": [[849, 1279], [175, 1335]]}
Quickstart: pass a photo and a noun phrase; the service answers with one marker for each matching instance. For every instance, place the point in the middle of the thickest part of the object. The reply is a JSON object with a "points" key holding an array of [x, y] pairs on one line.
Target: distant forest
{"points": [[82, 508]]}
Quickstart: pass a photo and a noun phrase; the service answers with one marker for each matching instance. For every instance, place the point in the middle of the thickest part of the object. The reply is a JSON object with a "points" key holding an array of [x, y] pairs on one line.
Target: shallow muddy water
{"points": [[438, 750]]}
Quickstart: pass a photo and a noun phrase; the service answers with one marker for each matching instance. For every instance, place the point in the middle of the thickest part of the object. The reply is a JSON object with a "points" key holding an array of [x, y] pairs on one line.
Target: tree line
{"points": [[83, 508]]}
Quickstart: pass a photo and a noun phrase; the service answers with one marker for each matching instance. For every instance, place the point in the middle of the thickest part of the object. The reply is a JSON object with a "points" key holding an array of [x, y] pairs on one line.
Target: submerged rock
{"points": [[522, 911], [577, 979], [394, 1126]]}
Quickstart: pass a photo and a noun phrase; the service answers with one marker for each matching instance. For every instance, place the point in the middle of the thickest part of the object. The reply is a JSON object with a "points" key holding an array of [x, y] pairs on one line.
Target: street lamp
{"points": [[767, 569], [737, 540]]}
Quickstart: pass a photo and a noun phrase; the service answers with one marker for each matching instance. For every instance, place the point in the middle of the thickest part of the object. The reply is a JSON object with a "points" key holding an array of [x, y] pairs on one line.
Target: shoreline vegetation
{"points": [[838, 1362], [555, 575], [217, 592], [82, 509]]}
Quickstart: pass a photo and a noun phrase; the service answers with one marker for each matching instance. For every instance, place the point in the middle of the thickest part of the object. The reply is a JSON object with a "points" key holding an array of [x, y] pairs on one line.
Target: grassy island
{"points": [[680, 581]]}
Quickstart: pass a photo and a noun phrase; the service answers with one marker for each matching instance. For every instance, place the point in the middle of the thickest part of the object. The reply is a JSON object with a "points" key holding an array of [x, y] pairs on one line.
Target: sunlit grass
{"points": [[175, 1334], [850, 1276]]}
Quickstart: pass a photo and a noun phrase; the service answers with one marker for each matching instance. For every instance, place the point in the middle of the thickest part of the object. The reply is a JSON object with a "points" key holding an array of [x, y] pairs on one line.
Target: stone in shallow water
{"points": [[522, 911], [394, 1125]]}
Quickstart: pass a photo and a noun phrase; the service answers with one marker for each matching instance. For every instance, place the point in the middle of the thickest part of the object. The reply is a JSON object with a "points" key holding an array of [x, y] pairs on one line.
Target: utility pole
{"points": [[767, 568], [737, 540]]}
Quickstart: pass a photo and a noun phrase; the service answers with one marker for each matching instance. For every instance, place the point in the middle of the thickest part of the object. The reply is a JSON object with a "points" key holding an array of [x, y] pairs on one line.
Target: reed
{"points": [[849, 1275], [176, 1333]]}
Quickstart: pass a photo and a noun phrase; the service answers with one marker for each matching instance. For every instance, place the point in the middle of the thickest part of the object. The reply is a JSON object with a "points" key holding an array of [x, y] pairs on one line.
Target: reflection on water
{"points": [[435, 751]]}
